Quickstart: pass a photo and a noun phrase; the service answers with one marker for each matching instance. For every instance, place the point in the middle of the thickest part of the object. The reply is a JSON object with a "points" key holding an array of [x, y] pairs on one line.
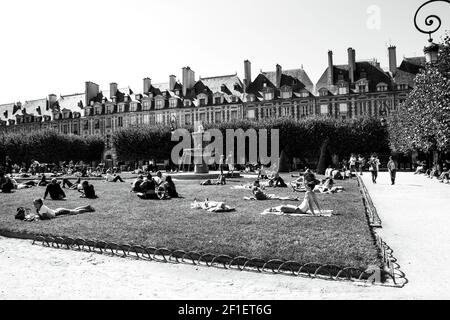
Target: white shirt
{"points": [[109, 177], [46, 213]]}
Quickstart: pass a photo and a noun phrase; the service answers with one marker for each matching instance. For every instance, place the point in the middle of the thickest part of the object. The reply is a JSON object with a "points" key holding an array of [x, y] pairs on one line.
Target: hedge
{"points": [[49, 146]]}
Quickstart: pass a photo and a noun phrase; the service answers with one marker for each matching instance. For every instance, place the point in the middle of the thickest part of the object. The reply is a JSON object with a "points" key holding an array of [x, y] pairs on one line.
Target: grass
{"points": [[121, 217]]}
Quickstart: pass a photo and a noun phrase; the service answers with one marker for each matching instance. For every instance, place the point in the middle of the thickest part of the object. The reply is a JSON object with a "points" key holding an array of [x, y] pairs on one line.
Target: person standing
{"points": [[361, 163], [392, 168], [352, 164], [374, 167]]}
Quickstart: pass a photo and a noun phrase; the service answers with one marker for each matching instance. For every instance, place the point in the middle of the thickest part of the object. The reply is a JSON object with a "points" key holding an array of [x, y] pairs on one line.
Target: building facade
{"points": [[345, 91]]}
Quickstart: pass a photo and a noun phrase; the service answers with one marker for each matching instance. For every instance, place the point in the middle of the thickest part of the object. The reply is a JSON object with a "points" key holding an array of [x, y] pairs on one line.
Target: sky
{"points": [[54, 46]]}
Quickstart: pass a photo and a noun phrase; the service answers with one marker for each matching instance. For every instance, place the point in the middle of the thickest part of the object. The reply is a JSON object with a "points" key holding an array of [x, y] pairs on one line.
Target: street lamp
{"points": [[432, 49]]}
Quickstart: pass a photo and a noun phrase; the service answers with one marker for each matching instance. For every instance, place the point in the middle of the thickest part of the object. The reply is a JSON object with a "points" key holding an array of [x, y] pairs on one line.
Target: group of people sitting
{"points": [[437, 171], [157, 187], [308, 181]]}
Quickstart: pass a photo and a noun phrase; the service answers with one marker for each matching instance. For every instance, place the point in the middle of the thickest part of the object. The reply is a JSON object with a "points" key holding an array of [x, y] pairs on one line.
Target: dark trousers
{"points": [[393, 175], [117, 178], [374, 176], [67, 183]]}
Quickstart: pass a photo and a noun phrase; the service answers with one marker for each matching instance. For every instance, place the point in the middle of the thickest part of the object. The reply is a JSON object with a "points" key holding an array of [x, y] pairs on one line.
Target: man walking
{"points": [[374, 167], [392, 168]]}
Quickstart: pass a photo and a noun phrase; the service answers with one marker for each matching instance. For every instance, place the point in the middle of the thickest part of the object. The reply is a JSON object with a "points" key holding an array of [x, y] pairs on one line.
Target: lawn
{"points": [[344, 240]]}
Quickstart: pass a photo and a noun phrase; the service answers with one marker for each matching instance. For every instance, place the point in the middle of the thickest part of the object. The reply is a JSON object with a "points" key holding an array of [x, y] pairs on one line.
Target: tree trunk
{"points": [[322, 166]]}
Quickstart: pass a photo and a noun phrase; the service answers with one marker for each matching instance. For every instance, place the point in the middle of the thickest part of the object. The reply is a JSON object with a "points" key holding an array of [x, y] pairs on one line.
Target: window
{"points": [[146, 105], [133, 107], [108, 122], [173, 103], [402, 87], [146, 119], [202, 102], [343, 90], [362, 88], [159, 104], [234, 115], [187, 119], [65, 129], [120, 122], [304, 94], [217, 100], [98, 110], [343, 108], [218, 116], [187, 103], [97, 124], [159, 118], [323, 92], [202, 117], [323, 109], [108, 142], [285, 94], [268, 96], [250, 98], [85, 125], [382, 87], [251, 114], [233, 99], [133, 119]]}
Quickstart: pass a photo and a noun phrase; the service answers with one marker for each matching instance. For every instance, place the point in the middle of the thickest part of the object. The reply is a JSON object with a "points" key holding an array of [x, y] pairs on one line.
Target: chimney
{"points": [[92, 91], [330, 68], [247, 73], [112, 89], [188, 79], [147, 85], [51, 100], [278, 73], [351, 64], [392, 59], [172, 81]]}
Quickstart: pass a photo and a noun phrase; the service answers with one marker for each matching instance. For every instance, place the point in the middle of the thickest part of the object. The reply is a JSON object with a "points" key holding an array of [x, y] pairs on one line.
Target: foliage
{"points": [[49, 147], [423, 121]]}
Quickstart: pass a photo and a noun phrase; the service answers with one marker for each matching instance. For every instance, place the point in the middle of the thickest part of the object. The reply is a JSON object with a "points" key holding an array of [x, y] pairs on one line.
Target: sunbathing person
{"points": [[211, 206], [45, 213], [306, 207], [88, 191], [110, 178], [72, 186], [43, 181], [327, 186], [261, 195], [55, 191]]}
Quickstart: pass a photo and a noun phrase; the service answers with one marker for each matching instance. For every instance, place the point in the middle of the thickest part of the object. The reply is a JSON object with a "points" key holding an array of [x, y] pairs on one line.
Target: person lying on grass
{"points": [[211, 206], [306, 207], [55, 191], [72, 186], [261, 195], [45, 213], [220, 181]]}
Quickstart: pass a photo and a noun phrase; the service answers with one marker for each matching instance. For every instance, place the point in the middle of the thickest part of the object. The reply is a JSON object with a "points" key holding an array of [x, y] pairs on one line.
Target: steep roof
{"points": [[228, 84], [73, 102], [364, 69], [35, 107], [408, 70], [6, 111], [288, 75]]}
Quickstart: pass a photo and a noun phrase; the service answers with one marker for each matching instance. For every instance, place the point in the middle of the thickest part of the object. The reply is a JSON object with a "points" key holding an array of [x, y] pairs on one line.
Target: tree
{"points": [[423, 120]]}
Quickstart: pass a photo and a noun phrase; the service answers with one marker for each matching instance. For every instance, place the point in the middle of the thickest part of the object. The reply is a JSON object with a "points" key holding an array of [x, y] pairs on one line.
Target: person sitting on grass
{"points": [[110, 178], [43, 182], [72, 186], [7, 186], [445, 175], [45, 213], [147, 189], [88, 191], [260, 195], [159, 179], [421, 168], [170, 188], [306, 207], [55, 191], [277, 181], [136, 185]]}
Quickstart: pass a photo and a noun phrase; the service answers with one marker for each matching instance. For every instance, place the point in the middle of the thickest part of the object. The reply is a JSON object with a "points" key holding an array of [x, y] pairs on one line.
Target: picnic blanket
{"points": [[324, 213], [212, 206]]}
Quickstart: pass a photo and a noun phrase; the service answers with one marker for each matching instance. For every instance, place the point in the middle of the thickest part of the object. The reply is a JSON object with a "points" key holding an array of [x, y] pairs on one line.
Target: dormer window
{"points": [[286, 92], [173, 103], [217, 100], [402, 87], [133, 107], [146, 105], [268, 95], [362, 88], [98, 110], [66, 114], [323, 92], [382, 87], [304, 94], [187, 103], [343, 90], [159, 104], [177, 92], [120, 108], [233, 99], [202, 102]]}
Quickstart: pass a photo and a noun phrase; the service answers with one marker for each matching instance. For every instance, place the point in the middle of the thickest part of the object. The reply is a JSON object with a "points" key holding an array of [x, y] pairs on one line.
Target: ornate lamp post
{"points": [[432, 49]]}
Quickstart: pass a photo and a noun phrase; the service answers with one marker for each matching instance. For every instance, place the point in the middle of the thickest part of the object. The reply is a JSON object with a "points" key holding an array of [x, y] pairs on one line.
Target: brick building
{"points": [[350, 90]]}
